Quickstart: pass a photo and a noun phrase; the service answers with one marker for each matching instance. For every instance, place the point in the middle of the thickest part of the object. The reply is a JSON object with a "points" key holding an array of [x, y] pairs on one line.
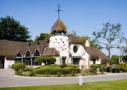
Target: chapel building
{"points": [[65, 48]]}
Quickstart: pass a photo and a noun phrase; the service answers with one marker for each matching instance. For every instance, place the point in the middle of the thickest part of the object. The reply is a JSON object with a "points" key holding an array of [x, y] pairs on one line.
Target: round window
{"points": [[75, 48]]}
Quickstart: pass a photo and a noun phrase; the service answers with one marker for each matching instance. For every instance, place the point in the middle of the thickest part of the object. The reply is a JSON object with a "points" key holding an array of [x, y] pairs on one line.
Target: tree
{"points": [[10, 29], [108, 36], [92, 43], [43, 36], [114, 59], [45, 60], [124, 58]]}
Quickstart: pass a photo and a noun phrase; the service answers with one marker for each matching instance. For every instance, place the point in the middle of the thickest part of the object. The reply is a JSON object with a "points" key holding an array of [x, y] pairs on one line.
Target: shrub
{"points": [[31, 73], [74, 71], [63, 65], [72, 65], [123, 67], [92, 71], [47, 70], [45, 60], [18, 66], [114, 59], [117, 68], [28, 69], [101, 68], [56, 70], [19, 73], [95, 66], [66, 70]]}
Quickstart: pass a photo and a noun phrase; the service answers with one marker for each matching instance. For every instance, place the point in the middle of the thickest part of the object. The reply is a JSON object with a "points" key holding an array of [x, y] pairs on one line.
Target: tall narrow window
{"points": [[94, 61], [18, 55], [18, 58], [27, 58], [27, 54], [36, 53]]}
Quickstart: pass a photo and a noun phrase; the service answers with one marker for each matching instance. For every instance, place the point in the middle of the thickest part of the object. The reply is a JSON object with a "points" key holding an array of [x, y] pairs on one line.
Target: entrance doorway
{"points": [[76, 61], [63, 60], [2, 62]]}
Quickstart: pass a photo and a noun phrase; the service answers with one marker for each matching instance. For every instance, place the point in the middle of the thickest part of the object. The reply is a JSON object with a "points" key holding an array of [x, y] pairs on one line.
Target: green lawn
{"points": [[105, 85]]}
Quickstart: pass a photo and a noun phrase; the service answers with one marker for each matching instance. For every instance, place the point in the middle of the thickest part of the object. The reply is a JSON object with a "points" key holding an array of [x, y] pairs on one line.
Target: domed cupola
{"points": [[59, 28]]}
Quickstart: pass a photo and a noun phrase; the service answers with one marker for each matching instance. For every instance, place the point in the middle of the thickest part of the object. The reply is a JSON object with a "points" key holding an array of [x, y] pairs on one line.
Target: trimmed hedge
{"points": [[56, 70], [45, 60], [18, 66]]}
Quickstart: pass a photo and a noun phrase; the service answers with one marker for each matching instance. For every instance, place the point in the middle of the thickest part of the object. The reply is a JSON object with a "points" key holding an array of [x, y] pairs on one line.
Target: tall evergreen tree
{"points": [[10, 29]]}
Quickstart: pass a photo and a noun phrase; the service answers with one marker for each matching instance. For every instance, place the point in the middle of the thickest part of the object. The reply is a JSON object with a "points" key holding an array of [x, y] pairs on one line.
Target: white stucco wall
{"points": [[8, 63], [68, 60], [84, 62], [58, 60], [97, 61], [61, 44], [80, 52]]}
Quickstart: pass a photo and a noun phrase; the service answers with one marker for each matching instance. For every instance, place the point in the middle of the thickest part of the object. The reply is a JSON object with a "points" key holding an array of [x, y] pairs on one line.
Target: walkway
{"points": [[8, 79]]}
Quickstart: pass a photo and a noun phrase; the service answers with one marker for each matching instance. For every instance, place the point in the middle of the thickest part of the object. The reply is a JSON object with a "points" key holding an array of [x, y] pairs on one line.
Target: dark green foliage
{"points": [[43, 36], [10, 29], [18, 66], [45, 60], [114, 59], [124, 58]]}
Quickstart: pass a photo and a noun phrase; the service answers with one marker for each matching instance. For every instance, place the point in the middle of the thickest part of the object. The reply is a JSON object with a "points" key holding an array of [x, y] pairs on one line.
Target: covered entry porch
{"points": [[76, 60]]}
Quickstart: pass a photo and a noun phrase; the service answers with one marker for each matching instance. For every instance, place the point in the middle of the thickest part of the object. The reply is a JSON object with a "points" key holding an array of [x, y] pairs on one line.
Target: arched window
{"points": [[27, 54], [18, 58], [36, 53], [26, 60], [18, 55]]}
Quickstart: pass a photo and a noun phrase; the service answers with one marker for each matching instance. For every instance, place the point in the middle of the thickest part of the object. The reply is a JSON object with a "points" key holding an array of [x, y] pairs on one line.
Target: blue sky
{"points": [[82, 16]]}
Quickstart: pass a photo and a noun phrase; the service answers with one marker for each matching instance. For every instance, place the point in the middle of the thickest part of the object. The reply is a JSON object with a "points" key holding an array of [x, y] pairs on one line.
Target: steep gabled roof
{"points": [[10, 49], [50, 52], [73, 39], [96, 54]]}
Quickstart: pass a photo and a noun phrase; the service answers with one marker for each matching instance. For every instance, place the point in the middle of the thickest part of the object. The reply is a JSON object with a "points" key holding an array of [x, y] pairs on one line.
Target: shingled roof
{"points": [[50, 52], [58, 27], [73, 39], [11, 48], [96, 54]]}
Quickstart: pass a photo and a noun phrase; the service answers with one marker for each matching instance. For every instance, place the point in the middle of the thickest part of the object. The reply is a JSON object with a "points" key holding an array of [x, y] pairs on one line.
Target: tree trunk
{"points": [[109, 50]]}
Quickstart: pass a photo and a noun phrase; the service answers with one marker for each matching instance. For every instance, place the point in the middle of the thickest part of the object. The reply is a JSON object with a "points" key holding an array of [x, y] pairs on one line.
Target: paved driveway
{"points": [[8, 79]]}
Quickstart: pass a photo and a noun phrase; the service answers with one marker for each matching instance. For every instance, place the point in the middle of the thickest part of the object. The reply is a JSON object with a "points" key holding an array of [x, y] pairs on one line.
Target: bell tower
{"points": [[59, 40]]}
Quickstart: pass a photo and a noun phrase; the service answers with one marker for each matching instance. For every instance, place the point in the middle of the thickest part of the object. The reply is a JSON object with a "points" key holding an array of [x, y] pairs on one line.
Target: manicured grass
{"points": [[105, 85]]}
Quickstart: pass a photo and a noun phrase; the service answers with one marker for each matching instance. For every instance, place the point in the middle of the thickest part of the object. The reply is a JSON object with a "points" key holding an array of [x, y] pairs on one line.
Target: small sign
{"points": [[80, 80]]}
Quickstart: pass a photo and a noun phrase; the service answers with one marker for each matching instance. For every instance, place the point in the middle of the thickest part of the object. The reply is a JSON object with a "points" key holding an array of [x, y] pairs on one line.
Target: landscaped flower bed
{"points": [[49, 70]]}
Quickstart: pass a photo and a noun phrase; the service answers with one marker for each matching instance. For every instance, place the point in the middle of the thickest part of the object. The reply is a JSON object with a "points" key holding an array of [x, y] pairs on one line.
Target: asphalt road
{"points": [[8, 79]]}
